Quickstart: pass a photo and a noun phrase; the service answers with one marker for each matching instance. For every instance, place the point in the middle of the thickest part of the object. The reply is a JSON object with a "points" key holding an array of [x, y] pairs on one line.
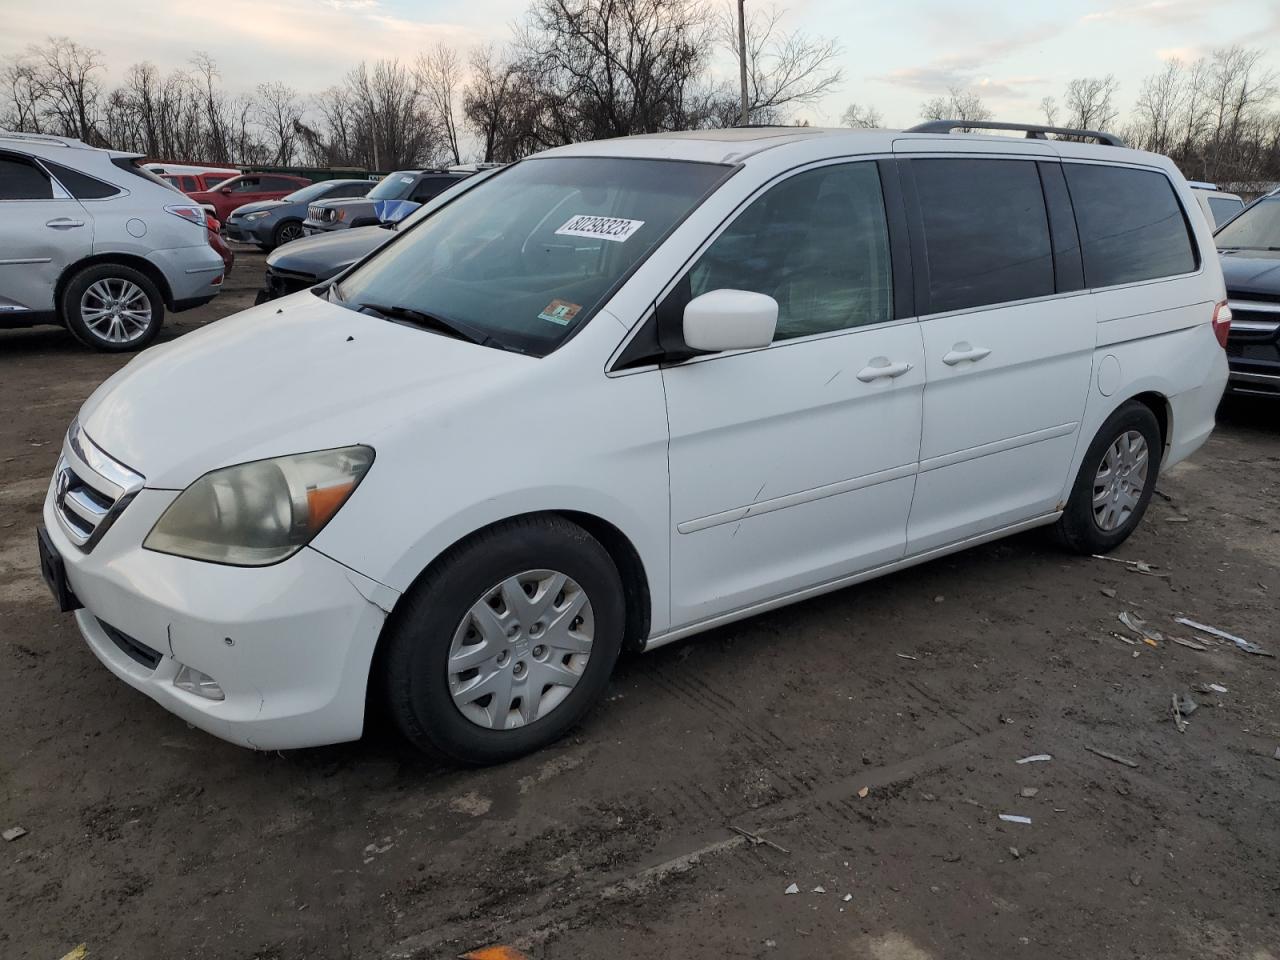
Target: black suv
{"points": [[1249, 248]]}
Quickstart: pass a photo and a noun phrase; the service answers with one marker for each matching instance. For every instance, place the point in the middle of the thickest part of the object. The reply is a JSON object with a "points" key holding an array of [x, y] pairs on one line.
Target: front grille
{"points": [[281, 283], [90, 489], [135, 649], [318, 214]]}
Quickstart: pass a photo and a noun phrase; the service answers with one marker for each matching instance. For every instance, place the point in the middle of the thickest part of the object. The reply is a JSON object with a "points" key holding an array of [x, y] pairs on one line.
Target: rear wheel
{"points": [[1115, 482], [504, 646], [112, 307]]}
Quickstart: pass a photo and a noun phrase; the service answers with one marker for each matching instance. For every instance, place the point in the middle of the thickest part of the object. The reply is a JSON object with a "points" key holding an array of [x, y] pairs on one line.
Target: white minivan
{"points": [[622, 392]]}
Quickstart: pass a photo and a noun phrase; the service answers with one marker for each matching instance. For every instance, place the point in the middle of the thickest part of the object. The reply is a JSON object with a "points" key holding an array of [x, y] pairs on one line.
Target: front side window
{"points": [[526, 257], [986, 232], [246, 185], [818, 243], [1258, 228], [20, 180], [1131, 225]]}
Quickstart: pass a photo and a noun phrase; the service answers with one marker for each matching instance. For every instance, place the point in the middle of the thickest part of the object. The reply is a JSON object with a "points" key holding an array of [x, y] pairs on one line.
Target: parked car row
{"points": [[91, 240], [770, 362], [271, 223]]}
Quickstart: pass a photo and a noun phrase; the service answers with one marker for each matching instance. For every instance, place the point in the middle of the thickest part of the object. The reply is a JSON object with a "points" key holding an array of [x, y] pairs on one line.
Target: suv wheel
{"points": [[504, 646], [112, 307], [1115, 482]]}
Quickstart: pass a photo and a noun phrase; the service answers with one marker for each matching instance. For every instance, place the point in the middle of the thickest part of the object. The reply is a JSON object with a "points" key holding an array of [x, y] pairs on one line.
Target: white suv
{"points": [[623, 392], [91, 240]]}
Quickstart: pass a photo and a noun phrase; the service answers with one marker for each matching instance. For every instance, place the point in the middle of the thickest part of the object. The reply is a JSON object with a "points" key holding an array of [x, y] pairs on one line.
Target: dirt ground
{"points": [[871, 737]]}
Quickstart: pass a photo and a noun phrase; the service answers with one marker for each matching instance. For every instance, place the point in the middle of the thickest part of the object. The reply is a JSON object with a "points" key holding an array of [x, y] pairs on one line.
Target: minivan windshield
{"points": [[394, 186], [524, 259], [1258, 228]]}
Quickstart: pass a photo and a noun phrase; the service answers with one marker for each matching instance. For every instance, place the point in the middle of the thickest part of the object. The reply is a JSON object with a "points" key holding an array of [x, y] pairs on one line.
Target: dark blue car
{"points": [[270, 223]]}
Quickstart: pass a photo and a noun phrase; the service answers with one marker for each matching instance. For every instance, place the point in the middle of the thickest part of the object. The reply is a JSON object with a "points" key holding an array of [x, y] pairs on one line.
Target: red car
{"points": [[247, 188], [215, 240]]}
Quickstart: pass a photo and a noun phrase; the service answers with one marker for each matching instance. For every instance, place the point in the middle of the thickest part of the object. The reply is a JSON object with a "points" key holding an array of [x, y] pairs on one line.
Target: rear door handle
{"points": [[64, 223], [962, 352], [880, 368]]}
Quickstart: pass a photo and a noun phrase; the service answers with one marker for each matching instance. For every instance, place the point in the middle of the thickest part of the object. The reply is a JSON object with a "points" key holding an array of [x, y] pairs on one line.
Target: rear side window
{"points": [[1131, 225], [20, 180], [81, 185], [1224, 208], [280, 183], [986, 233]]}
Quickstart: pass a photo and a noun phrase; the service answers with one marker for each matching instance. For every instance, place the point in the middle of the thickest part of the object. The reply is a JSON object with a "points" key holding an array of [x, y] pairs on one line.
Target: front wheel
{"points": [[504, 646], [1115, 482], [286, 232]]}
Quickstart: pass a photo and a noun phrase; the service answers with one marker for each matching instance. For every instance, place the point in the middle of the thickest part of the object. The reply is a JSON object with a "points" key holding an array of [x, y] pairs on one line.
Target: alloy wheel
{"points": [[116, 310], [1119, 481], [520, 649], [289, 232]]}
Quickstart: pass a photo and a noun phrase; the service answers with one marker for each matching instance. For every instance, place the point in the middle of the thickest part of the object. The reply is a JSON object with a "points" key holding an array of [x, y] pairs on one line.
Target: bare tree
{"points": [[1049, 107], [785, 69], [439, 75], [66, 76], [856, 115], [958, 104], [1090, 102], [1159, 107], [278, 110], [392, 122], [25, 92]]}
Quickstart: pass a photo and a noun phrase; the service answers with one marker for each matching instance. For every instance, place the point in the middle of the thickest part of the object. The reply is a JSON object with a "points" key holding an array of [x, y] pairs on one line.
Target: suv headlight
{"points": [[262, 512]]}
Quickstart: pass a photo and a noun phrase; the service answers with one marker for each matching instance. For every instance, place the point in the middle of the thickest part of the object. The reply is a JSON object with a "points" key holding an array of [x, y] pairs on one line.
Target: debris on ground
{"points": [[1014, 818], [1112, 756], [756, 840], [1139, 626], [1013, 852], [1277, 754], [1035, 758], [1212, 688], [794, 888], [1240, 642], [1179, 719], [1135, 878], [847, 897], [1177, 519], [1186, 705], [79, 953], [13, 833], [951, 857], [907, 656], [1108, 592], [1191, 644], [1029, 792], [495, 953], [864, 791], [1149, 570], [819, 889]]}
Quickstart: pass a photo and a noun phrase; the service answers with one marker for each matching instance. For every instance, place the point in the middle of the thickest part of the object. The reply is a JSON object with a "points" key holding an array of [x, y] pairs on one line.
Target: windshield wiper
{"points": [[431, 321]]}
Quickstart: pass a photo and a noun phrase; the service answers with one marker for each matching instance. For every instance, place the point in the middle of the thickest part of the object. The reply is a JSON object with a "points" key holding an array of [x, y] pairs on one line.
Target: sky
{"points": [[895, 55]]}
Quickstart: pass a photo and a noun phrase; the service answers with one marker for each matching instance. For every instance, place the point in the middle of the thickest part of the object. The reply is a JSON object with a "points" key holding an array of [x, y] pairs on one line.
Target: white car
{"points": [[1218, 206], [623, 392]]}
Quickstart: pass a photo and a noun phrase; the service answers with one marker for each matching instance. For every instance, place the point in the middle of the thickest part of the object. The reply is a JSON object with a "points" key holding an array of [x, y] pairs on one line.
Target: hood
{"points": [[346, 202], [1251, 272], [326, 254], [290, 376], [248, 208]]}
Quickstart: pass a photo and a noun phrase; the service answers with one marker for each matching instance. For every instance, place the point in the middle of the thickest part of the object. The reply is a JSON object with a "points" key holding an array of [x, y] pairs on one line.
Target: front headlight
{"points": [[259, 215], [259, 513]]}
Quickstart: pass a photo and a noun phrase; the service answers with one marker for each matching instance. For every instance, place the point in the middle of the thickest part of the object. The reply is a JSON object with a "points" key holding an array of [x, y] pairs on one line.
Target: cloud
{"points": [[1158, 12], [969, 69]]}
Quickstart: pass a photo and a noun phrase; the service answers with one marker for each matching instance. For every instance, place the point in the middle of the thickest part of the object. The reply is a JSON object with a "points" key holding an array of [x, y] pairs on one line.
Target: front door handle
{"points": [[64, 223], [880, 368], [962, 352]]}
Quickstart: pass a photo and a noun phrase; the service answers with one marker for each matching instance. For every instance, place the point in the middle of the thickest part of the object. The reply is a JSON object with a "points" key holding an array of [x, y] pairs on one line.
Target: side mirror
{"points": [[730, 320]]}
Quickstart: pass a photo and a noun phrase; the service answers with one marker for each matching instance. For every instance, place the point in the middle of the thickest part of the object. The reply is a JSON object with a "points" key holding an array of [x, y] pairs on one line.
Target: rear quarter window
{"points": [[81, 185], [1132, 227]]}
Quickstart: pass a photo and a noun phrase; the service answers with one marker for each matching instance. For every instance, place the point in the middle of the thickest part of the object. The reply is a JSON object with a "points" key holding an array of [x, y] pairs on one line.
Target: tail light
{"points": [[191, 212], [1222, 323]]}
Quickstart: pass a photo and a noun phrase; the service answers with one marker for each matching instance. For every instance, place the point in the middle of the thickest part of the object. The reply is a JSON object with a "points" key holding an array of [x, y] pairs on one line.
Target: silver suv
{"points": [[91, 240]]}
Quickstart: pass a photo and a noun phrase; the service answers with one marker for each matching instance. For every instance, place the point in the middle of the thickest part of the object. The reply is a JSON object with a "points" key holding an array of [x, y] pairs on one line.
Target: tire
{"points": [[440, 706], [285, 232], [1089, 527], [112, 308]]}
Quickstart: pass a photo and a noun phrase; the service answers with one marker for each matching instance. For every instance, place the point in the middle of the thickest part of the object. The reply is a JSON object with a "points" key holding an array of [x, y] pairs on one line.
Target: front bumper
{"points": [[312, 227], [290, 645], [245, 231]]}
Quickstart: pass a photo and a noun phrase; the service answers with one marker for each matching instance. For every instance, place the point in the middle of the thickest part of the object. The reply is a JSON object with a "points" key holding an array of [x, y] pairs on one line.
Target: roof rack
{"points": [[39, 138], [1034, 131]]}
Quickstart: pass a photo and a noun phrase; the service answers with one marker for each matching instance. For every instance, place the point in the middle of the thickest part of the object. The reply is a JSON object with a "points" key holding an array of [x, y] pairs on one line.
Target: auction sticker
{"points": [[600, 228], [560, 311]]}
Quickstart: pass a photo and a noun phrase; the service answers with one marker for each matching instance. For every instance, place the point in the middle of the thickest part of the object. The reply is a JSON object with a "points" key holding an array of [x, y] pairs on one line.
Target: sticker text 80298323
{"points": [[617, 229]]}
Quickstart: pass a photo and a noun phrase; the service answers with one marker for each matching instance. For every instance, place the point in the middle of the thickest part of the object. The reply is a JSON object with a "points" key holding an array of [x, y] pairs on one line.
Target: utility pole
{"points": [[745, 117]]}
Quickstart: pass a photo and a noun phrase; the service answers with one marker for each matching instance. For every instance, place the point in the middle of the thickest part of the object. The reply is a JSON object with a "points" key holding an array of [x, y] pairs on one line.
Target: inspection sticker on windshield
{"points": [[600, 228], [560, 311]]}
